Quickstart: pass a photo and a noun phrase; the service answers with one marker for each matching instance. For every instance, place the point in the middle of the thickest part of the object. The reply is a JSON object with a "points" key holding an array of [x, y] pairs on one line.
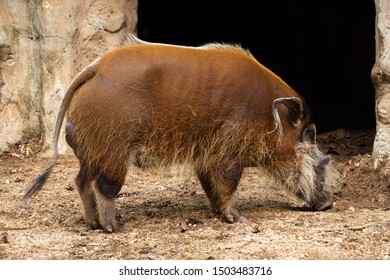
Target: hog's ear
{"points": [[294, 106], [310, 134]]}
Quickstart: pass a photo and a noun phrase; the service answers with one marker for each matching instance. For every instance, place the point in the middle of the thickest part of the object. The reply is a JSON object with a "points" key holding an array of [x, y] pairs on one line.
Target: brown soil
{"points": [[168, 217]]}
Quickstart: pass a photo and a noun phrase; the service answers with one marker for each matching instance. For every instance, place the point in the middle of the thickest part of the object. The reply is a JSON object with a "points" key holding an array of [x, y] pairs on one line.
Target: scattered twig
{"points": [[12, 228], [353, 228]]}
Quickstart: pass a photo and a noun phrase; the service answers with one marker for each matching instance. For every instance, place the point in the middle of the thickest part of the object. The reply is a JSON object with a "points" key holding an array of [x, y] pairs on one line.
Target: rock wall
{"points": [[20, 71], [43, 45], [381, 79]]}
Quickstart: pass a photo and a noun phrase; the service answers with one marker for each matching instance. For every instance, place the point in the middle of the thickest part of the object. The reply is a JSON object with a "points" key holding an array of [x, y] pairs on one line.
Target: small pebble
{"points": [[4, 238], [339, 240], [145, 251]]}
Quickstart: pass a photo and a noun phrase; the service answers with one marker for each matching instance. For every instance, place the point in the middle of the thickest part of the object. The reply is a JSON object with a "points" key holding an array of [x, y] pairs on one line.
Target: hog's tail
{"points": [[85, 75]]}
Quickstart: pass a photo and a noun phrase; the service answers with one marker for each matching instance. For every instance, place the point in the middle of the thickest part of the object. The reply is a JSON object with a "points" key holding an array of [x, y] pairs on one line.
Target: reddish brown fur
{"points": [[213, 107]]}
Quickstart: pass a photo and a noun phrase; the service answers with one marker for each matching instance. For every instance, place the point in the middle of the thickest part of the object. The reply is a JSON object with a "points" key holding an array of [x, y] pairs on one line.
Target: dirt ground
{"points": [[168, 217]]}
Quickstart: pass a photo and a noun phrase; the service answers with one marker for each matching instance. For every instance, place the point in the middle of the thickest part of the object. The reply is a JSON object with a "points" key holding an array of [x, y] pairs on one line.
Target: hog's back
{"points": [[174, 103]]}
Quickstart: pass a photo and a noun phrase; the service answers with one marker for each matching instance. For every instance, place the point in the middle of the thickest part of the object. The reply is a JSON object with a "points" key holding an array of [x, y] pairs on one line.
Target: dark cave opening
{"points": [[323, 49]]}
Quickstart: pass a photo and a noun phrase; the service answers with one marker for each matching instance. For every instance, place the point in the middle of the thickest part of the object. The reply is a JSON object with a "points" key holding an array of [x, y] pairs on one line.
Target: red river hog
{"points": [[214, 107]]}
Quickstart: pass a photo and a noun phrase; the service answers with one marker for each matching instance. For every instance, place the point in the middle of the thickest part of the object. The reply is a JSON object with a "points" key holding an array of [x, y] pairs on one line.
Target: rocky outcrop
{"points": [[43, 45], [20, 71], [381, 79]]}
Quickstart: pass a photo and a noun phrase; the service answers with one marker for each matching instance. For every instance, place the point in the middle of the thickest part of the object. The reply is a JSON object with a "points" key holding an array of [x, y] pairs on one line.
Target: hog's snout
{"points": [[323, 202]]}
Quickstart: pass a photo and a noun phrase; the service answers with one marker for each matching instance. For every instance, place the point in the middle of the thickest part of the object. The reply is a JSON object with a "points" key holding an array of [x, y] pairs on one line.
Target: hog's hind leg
{"points": [[106, 192], [84, 179], [88, 198]]}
